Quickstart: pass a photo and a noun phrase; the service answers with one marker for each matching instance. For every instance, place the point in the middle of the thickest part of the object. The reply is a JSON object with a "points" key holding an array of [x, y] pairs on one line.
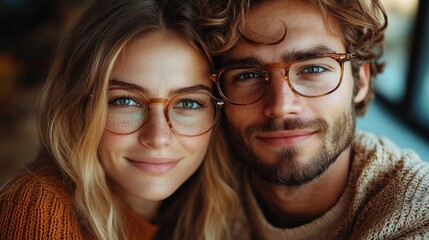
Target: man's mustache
{"points": [[289, 124]]}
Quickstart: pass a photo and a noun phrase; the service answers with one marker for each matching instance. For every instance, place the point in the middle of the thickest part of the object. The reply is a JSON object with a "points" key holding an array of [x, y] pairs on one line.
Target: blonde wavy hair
{"points": [[73, 112], [362, 23]]}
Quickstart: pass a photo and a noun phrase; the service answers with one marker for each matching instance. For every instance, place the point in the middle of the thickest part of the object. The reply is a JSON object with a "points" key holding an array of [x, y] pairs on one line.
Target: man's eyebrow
{"points": [[135, 87], [245, 60], [292, 55], [299, 54]]}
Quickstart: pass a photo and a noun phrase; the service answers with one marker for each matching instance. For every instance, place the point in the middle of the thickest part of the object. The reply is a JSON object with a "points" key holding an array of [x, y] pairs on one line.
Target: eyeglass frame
{"points": [[166, 104], [341, 58]]}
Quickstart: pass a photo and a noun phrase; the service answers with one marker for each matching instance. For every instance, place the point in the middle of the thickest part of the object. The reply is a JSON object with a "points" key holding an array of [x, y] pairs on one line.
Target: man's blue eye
{"points": [[314, 69], [249, 75]]}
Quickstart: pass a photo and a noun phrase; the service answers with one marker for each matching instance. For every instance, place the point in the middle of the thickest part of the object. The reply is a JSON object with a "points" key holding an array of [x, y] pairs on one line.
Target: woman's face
{"points": [[152, 162]]}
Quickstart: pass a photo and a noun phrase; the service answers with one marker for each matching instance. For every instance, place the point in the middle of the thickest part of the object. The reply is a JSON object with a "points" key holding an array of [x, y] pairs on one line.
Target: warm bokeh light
{"points": [[404, 7]]}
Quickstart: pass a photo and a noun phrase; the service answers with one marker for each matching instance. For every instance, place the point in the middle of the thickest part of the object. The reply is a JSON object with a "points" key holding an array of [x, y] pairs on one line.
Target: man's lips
{"points": [[154, 165], [285, 138]]}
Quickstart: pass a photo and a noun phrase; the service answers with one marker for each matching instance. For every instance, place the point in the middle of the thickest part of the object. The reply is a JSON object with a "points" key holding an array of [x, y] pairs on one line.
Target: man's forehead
{"points": [[283, 30], [271, 20]]}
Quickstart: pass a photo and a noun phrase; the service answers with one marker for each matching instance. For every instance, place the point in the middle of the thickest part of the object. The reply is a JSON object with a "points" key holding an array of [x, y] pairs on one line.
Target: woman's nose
{"points": [[156, 132]]}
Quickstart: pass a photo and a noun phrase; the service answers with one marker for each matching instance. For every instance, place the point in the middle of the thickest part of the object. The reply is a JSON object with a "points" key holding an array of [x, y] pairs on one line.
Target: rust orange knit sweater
{"points": [[39, 206]]}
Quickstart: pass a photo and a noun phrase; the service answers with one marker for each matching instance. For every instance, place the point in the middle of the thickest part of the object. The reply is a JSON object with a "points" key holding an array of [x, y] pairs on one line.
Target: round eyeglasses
{"points": [[187, 114], [311, 76]]}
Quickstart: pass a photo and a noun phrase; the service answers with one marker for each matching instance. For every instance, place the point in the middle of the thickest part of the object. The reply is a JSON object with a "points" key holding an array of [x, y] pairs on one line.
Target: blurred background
{"points": [[30, 31], [401, 108]]}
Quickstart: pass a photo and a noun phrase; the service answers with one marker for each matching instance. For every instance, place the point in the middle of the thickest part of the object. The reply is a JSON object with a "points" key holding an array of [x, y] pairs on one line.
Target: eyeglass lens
{"points": [[189, 114], [308, 77]]}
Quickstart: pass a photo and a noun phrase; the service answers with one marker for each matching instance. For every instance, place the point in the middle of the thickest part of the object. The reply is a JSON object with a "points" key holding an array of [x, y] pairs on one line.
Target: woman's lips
{"points": [[285, 138], [155, 165]]}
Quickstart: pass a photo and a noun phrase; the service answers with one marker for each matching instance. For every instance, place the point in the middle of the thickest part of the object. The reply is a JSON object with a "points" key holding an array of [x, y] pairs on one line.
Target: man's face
{"points": [[289, 139]]}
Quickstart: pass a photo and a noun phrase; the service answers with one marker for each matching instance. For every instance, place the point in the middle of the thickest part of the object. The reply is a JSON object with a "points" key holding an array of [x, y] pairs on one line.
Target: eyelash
{"points": [[112, 100]]}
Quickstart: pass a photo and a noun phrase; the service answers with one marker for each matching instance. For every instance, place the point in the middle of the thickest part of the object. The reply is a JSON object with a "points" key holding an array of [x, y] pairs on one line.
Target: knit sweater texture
{"points": [[39, 205], [386, 197]]}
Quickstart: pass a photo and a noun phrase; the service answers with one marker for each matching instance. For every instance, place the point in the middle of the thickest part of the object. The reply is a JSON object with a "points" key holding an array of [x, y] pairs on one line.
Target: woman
{"points": [[126, 119]]}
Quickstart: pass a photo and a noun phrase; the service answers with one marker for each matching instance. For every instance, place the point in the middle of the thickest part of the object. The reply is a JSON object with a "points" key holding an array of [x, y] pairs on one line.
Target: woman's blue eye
{"points": [[124, 102], [190, 104]]}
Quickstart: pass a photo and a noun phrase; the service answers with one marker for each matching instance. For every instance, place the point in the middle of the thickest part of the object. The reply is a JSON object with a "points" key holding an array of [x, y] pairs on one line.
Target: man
{"points": [[293, 84]]}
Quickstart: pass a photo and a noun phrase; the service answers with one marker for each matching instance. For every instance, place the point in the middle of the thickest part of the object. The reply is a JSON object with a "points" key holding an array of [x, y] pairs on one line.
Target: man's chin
{"points": [[286, 177], [290, 168], [278, 157]]}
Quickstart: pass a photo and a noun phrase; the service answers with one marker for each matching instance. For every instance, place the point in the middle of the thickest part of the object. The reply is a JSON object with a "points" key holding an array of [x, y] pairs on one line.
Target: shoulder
{"points": [[37, 205], [369, 144], [34, 189], [378, 157], [391, 188], [378, 165]]}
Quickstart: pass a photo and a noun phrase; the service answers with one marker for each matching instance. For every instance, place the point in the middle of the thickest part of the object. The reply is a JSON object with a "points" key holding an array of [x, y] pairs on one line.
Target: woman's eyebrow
{"points": [[131, 86], [191, 89]]}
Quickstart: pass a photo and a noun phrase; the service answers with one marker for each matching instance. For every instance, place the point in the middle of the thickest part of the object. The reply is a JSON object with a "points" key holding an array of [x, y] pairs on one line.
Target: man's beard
{"points": [[287, 170]]}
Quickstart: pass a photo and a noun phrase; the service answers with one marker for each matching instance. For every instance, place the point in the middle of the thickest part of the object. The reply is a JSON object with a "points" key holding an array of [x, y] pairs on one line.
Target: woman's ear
{"points": [[364, 80]]}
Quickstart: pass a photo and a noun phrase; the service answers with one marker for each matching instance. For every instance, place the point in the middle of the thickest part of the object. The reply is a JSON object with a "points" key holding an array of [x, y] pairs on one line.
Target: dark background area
{"points": [[30, 31]]}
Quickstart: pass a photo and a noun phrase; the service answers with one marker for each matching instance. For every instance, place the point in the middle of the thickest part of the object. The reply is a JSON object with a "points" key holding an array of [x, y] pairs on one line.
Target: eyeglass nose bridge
{"points": [[165, 102], [282, 65]]}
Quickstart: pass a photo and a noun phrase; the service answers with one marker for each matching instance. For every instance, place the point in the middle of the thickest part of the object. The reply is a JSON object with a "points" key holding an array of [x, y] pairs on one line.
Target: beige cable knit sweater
{"points": [[387, 197]]}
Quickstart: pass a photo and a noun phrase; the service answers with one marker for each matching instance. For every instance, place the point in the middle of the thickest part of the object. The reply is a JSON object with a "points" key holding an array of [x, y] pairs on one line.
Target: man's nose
{"points": [[280, 101], [156, 132]]}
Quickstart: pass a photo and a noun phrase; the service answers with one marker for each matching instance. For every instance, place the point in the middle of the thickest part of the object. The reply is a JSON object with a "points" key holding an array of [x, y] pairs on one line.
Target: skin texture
{"points": [[149, 165], [298, 148]]}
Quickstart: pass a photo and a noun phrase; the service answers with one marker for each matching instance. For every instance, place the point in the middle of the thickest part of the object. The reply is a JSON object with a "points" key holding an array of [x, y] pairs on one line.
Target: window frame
{"points": [[407, 108]]}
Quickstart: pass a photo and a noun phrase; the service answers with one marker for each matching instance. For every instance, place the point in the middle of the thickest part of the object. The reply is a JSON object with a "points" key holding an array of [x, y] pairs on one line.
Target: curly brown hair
{"points": [[362, 22]]}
